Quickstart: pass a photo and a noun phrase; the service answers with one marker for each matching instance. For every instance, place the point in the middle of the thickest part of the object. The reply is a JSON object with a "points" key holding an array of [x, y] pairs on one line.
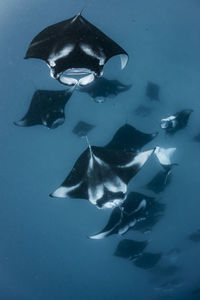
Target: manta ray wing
{"points": [[46, 108], [130, 249], [128, 138], [112, 225]]}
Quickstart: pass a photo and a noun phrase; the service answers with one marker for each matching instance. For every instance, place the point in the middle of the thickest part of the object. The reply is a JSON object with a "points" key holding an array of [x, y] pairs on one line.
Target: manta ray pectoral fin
{"points": [[63, 191], [20, 123], [98, 236], [140, 159], [124, 60], [111, 226], [26, 122]]}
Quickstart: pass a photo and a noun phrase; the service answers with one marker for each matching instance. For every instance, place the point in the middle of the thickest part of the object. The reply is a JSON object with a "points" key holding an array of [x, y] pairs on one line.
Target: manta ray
{"points": [[104, 88], [176, 122], [46, 108], [101, 176], [134, 251], [138, 211], [75, 50]]}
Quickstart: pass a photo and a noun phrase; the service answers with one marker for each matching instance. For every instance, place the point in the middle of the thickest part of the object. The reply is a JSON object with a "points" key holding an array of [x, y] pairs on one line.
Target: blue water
{"points": [[44, 249]]}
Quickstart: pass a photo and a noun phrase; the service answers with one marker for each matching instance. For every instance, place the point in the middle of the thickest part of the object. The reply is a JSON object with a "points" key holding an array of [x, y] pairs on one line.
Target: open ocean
{"points": [[45, 252]]}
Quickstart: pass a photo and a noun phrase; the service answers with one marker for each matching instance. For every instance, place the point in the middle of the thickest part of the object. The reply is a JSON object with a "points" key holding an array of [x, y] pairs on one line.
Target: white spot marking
{"points": [[89, 51], [124, 60], [62, 53]]}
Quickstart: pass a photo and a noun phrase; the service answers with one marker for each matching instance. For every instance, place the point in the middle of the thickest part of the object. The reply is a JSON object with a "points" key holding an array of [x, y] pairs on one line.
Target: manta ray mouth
{"points": [[75, 76]]}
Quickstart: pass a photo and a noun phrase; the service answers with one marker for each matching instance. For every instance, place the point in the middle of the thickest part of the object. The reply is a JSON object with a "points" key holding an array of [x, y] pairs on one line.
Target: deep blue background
{"points": [[44, 249]]}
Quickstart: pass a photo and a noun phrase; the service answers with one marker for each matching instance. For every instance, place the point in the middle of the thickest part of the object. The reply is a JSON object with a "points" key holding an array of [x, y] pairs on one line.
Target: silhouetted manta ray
{"points": [[46, 108], [147, 260], [130, 249], [82, 128], [133, 250], [104, 88], [152, 91], [177, 121], [75, 47], [101, 176], [128, 138], [136, 209]]}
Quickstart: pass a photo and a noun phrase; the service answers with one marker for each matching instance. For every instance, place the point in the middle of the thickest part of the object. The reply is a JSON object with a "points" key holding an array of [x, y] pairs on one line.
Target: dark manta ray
{"points": [[195, 236], [127, 138], [75, 47], [101, 176], [130, 249], [177, 121], [46, 108], [103, 88], [82, 128], [152, 91], [133, 250], [135, 210], [147, 260]]}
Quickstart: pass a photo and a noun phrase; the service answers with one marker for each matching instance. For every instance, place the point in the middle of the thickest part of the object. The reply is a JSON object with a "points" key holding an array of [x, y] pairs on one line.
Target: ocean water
{"points": [[45, 252]]}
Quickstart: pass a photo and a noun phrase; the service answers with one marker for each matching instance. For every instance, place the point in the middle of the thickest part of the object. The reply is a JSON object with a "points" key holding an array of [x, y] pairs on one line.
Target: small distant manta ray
{"points": [[128, 138], [152, 91], [170, 285], [75, 48], [176, 122], [195, 236], [136, 209], [46, 108], [166, 271], [142, 111], [197, 138], [104, 88], [196, 292], [147, 260], [82, 128], [133, 250], [130, 249], [101, 176]]}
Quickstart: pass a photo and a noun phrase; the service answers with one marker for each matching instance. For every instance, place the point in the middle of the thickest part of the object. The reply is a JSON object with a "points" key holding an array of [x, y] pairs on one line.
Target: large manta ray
{"points": [[46, 108], [75, 47], [101, 176]]}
